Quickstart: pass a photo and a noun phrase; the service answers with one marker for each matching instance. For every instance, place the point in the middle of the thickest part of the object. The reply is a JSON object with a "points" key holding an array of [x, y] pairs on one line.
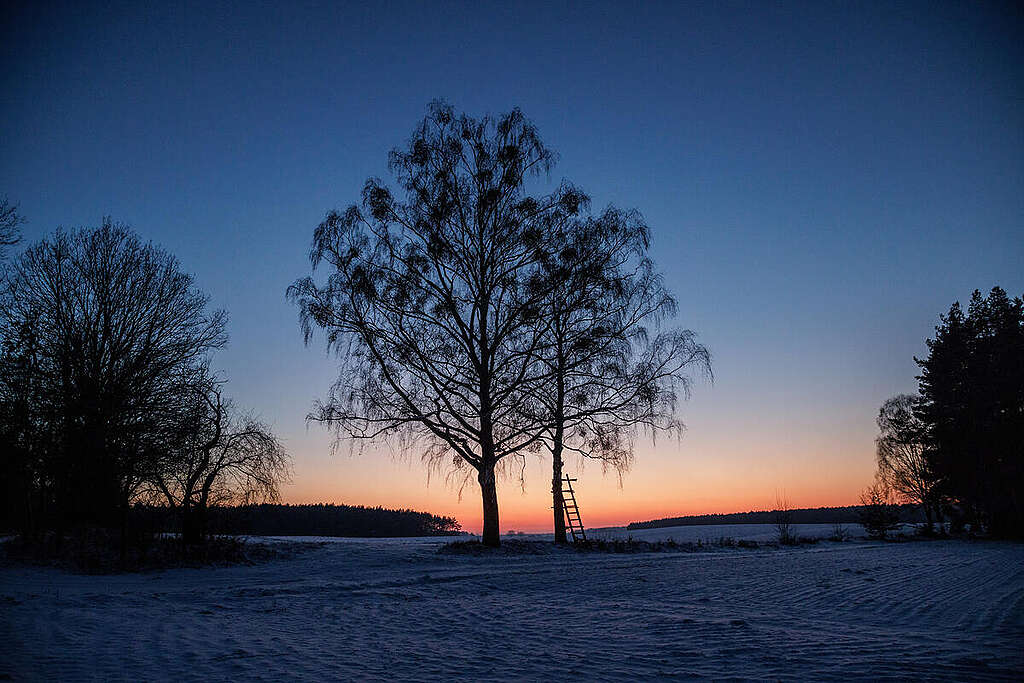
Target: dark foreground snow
{"points": [[398, 609]]}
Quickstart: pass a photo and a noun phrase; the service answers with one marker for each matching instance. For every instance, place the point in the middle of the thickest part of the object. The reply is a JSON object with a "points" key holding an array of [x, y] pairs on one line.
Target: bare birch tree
{"points": [[612, 370], [434, 297]]}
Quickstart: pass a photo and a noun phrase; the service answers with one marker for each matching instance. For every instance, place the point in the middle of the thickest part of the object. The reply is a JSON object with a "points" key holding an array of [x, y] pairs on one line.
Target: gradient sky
{"points": [[822, 181]]}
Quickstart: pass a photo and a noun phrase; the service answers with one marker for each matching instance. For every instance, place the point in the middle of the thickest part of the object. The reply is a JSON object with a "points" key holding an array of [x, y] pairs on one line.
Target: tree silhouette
{"points": [[215, 456], [972, 401], [900, 449], [10, 219], [97, 324], [609, 376], [435, 296], [879, 513]]}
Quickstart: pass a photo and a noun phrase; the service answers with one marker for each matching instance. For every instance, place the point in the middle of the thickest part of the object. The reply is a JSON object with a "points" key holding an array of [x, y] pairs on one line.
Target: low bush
{"points": [[879, 515], [839, 533]]}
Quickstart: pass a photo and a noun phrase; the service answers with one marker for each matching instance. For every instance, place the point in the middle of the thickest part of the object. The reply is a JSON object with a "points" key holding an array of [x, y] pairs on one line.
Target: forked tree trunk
{"points": [[490, 500], [557, 503], [195, 523]]}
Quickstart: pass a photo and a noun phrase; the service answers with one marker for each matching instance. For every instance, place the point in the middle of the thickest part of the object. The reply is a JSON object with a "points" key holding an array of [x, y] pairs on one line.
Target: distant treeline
{"points": [[308, 520], [846, 515]]}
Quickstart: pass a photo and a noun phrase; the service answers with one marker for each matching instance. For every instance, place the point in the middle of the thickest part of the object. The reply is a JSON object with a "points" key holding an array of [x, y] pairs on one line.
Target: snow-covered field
{"points": [[361, 609]]}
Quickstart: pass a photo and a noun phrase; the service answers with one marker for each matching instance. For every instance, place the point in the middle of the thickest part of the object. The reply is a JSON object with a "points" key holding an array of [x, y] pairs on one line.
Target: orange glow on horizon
{"points": [[665, 481]]}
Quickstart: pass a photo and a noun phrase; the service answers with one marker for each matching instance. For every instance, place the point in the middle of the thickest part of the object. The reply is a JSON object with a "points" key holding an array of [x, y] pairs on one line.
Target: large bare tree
{"points": [[613, 370], [435, 294], [100, 323]]}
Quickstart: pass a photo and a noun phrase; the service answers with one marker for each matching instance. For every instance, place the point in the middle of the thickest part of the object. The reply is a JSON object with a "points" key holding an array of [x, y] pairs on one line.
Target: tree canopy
{"points": [[446, 296], [105, 389], [613, 369]]}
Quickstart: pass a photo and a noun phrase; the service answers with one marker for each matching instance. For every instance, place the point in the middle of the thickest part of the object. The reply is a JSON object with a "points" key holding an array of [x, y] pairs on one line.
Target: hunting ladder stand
{"points": [[572, 511]]}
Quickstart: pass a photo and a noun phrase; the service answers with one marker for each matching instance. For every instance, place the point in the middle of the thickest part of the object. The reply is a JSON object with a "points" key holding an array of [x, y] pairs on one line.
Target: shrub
{"points": [[839, 533], [880, 514], [784, 522]]}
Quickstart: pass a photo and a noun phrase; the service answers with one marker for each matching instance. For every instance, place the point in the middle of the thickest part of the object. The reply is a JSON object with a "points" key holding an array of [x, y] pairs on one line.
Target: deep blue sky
{"points": [[822, 181]]}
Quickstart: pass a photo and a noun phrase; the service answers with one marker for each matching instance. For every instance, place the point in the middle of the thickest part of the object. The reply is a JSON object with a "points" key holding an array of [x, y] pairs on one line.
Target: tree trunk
{"points": [[190, 534], [490, 499], [123, 553], [558, 438], [557, 503], [202, 526]]}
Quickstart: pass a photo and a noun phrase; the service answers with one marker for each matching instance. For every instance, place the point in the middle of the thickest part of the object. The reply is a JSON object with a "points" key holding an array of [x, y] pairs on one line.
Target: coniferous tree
{"points": [[972, 402]]}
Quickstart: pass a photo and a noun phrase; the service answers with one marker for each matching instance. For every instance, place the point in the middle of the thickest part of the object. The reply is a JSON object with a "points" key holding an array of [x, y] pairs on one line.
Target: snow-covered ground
{"points": [[362, 609]]}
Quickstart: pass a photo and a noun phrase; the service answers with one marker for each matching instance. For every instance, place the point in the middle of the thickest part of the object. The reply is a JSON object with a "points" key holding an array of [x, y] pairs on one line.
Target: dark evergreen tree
{"points": [[972, 401]]}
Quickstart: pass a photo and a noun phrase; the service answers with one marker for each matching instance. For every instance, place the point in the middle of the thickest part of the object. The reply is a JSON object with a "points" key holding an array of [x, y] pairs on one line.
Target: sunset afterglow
{"points": [[813, 212]]}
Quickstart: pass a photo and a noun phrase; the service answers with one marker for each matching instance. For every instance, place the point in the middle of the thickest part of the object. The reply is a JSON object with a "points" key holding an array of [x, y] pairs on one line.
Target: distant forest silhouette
{"points": [[850, 514]]}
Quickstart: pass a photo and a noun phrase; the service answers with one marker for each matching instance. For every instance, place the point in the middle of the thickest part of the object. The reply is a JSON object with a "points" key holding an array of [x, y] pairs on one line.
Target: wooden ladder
{"points": [[572, 511]]}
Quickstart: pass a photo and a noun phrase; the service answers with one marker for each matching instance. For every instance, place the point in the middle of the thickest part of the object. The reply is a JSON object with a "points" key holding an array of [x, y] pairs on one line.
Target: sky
{"points": [[822, 180]]}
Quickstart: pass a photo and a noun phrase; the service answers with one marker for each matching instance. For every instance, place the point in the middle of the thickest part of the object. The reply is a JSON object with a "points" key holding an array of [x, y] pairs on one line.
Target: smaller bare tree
{"points": [[900, 448], [219, 457]]}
